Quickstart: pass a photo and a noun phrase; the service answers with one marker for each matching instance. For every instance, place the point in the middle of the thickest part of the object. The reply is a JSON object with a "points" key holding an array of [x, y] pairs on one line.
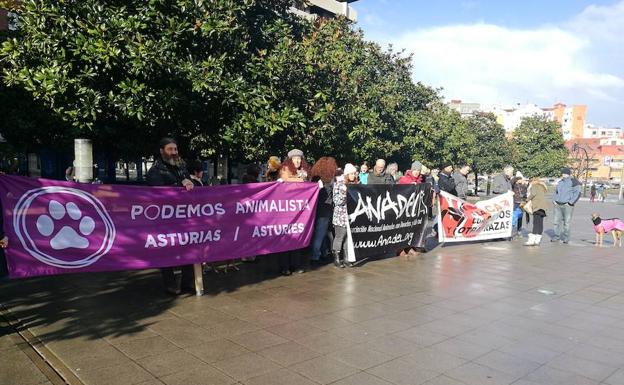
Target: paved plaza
{"points": [[474, 314]]}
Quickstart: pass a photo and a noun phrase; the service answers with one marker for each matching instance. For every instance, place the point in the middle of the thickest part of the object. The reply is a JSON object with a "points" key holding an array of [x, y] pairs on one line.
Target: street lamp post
{"points": [[576, 148]]}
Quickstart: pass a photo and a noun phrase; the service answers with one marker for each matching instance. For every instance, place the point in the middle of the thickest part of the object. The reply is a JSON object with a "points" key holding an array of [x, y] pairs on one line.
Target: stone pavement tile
{"points": [[231, 328], [594, 353], [326, 322], [443, 380], [421, 336], [144, 347], [507, 363], [392, 345], [288, 353], [295, 329], [448, 328], [170, 362], [412, 317], [324, 370], [246, 366], [216, 350], [362, 378], [401, 372], [363, 313], [462, 349], [357, 333], [433, 359], [616, 378], [486, 338], [187, 336], [279, 377], [590, 369], [128, 373], [324, 342], [208, 317], [360, 357], [258, 340], [17, 369], [99, 357], [530, 352], [547, 375], [475, 374], [60, 346], [385, 325], [205, 375], [138, 334]]}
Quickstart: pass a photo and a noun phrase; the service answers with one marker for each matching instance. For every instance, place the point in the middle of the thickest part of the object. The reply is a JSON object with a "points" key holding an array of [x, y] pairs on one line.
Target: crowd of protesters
{"points": [[330, 230]]}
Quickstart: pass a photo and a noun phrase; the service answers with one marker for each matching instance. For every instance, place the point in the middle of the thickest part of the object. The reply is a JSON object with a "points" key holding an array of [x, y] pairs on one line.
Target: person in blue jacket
{"points": [[565, 197]]}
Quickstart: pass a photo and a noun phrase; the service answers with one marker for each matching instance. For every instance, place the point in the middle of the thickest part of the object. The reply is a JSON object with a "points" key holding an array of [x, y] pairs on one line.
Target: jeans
{"points": [[561, 221], [320, 233], [339, 238]]}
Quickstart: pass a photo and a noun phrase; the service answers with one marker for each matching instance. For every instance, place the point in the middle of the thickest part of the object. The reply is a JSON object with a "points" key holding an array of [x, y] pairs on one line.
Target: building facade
{"points": [[606, 157], [596, 132], [327, 8]]}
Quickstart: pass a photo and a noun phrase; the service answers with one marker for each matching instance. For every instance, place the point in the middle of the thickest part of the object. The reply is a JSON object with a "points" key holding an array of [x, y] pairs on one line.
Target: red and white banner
{"points": [[460, 221]]}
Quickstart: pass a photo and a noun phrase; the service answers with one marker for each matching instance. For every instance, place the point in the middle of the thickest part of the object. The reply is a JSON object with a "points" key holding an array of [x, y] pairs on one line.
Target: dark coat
{"points": [[382, 178], [325, 202], [447, 183], [164, 174]]}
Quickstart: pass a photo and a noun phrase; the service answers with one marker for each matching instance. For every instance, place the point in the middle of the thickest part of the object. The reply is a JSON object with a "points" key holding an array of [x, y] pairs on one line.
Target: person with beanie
{"points": [[536, 206], [566, 195], [339, 219], [413, 175], [445, 179], [294, 169]]}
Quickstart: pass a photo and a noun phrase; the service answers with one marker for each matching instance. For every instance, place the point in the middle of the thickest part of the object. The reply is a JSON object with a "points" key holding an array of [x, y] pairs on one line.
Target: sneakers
{"points": [[530, 241]]}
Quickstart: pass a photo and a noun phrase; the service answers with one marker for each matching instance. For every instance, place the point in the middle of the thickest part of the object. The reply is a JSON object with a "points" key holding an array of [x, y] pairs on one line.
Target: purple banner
{"points": [[63, 227]]}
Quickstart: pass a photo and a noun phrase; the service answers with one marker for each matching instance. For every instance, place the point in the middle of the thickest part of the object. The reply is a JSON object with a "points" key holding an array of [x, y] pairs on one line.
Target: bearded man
{"points": [[170, 170]]}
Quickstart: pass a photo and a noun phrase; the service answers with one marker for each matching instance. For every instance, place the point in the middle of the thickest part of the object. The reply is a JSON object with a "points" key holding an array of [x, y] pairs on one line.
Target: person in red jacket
{"points": [[413, 176]]}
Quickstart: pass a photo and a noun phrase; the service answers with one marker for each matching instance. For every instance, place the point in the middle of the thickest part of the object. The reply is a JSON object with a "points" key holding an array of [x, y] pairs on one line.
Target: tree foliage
{"points": [[241, 77], [492, 150], [538, 147]]}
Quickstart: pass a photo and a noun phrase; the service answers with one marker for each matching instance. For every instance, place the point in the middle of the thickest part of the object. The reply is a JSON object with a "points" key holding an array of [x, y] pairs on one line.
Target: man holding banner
{"points": [[170, 170]]}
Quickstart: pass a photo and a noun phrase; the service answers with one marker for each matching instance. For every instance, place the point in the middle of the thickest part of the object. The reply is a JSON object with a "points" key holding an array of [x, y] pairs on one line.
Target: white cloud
{"points": [[494, 64]]}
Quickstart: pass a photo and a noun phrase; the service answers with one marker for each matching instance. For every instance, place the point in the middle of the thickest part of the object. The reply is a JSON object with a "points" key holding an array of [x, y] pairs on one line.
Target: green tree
{"points": [[538, 147], [439, 135], [125, 73], [491, 150]]}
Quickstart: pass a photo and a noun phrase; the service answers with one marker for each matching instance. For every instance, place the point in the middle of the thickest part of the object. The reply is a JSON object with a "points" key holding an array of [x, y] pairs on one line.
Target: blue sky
{"points": [[503, 52]]}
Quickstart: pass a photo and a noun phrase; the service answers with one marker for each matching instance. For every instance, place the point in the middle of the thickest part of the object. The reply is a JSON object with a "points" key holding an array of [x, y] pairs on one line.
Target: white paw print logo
{"points": [[63, 227], [67, 236]]}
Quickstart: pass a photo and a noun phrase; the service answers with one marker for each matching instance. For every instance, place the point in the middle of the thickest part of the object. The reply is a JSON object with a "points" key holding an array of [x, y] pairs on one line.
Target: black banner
{"points": [[387, 218]]}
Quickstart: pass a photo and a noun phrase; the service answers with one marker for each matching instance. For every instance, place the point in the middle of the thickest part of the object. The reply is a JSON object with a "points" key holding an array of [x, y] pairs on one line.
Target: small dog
{"points": [[614, 226]]}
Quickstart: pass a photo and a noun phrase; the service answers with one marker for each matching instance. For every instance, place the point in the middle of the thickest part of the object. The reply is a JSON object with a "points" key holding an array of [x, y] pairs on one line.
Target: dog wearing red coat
{"points": [[615, 226]]}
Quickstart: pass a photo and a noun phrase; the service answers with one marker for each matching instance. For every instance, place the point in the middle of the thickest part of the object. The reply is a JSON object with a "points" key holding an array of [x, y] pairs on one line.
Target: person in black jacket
{"points": [[196, 171], [323, 172], [170, 170], [446, 182]]}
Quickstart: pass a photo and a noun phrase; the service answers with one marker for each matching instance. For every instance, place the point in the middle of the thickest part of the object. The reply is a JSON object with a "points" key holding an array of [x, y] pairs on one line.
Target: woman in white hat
{"points": [[350, 176]]}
